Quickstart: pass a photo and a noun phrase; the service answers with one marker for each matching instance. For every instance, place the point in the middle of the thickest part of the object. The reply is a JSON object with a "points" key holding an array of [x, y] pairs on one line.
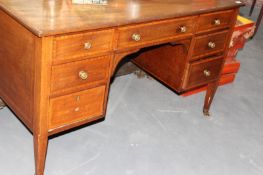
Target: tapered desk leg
{"points": [[40, 149], [259, 20], [252, 7], [210, 93]]}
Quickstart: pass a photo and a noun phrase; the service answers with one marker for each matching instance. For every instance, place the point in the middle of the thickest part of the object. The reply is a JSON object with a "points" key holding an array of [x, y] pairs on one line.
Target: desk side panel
{"points": [[17, 68], [166, 62]]}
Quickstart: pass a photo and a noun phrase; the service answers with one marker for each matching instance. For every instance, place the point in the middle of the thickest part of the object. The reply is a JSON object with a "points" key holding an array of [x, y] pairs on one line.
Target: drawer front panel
{"points": [[154, 32], [76, 107], [70, 47], [210, 44], [201, 72], [79, 74], [214, 21]]}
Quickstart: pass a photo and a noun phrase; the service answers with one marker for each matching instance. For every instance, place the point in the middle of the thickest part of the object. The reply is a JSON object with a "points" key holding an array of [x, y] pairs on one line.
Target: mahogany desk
{"points": [[56, 58]]}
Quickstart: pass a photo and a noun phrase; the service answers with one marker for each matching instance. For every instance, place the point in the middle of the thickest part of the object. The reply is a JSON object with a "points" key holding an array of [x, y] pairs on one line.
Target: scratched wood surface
{"points": [[48, 17]]}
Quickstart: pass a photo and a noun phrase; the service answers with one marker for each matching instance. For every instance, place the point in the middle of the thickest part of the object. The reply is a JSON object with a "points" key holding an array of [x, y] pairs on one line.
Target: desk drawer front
{"points": [[214, 21], [79, 74], [72, 47], [210, 44], [154, 32], [76, 107], [203, 71]]}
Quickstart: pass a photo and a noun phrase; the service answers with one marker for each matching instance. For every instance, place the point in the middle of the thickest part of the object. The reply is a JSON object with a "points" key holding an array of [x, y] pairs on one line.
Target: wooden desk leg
{"points": [[259, 20], [252, 7], [40, 149], [210, 93]]}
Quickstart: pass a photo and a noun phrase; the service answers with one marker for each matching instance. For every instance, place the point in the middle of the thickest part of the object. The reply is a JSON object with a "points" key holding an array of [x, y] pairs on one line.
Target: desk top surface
{"points": [[51, 17]]}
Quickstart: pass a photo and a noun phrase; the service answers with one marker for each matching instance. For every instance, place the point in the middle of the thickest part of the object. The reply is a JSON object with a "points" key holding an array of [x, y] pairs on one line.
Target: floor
{"points": [[149, 130]]}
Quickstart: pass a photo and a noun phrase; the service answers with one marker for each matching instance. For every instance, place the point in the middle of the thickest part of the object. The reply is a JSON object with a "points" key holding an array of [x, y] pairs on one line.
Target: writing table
{"points": [[57, 58]]}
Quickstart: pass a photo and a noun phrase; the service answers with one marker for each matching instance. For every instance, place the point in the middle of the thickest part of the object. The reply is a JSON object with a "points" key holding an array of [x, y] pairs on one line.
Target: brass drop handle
{"points": [[136, 37], [211, 45], [87, 45], [83, 75], [182, 29], [207, 73], [217, 22]]}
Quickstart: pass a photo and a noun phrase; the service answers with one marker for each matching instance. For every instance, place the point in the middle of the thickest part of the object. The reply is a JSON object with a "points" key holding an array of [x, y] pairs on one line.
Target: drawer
{"points": [[80, 74], [210, 44], [214, 21], [72, 47], [154, 32], [202, 72], [84, 105]]}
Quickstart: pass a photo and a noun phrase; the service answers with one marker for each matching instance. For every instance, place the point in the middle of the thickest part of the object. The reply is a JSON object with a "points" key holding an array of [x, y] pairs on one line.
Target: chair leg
{"points": [[252, 7], [259, 20]]}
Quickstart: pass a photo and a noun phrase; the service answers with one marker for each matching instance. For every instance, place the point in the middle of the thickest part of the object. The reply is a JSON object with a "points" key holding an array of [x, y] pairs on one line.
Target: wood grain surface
{"points": [[201, 47], [49, 17], [155, 31], [75, 107], [72, 47], [196, 76], [17, 68], [57, 59], [166, 62], [65, 77], [207, 21]]}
